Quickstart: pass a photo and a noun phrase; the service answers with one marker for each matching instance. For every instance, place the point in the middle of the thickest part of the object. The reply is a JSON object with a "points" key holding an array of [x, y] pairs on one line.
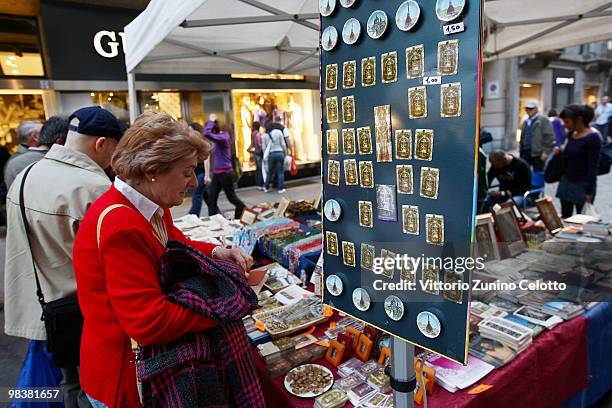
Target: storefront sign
{"points": [[105, 43], [84, 42], [400, 133]]}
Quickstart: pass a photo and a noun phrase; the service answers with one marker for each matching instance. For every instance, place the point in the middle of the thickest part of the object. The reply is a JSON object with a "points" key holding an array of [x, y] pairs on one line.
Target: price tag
{"points": [[432, 80], [454, 28]]}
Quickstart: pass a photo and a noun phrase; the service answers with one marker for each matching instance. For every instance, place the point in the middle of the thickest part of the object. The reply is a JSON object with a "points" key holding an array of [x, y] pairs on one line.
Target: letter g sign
{"points": [[112, 46]]}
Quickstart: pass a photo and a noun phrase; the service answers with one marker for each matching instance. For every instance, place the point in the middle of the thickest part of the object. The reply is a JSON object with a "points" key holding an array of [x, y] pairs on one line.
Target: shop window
{"points": [[169, 102], [19, 47], [115, 102], [295, 110], [590, 94], [15, 108]]}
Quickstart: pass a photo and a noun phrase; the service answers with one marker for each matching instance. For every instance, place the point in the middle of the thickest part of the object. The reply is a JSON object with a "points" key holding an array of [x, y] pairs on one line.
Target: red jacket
{"points": [[120, 297]]}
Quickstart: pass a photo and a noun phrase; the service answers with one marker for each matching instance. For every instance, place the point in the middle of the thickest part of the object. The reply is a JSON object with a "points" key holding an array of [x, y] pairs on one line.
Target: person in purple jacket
{"points": [[583, 149], [557, 125], [223, 170]]}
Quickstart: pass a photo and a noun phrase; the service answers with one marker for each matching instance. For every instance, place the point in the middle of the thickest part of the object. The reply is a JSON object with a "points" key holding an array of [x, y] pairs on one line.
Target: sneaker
{"points": [[281, 191], [265, 190], [260, 188]]}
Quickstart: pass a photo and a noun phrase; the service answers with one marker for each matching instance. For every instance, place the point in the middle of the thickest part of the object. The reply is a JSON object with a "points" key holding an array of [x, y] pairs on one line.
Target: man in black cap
{"points": [[58, 191]]}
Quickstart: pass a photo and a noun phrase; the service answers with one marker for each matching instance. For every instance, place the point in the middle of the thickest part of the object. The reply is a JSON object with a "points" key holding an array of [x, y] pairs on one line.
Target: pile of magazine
{"points": [[513, 335]]}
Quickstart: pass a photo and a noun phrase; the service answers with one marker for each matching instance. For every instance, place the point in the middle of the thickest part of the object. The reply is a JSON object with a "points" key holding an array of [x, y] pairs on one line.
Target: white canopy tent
{"points": [[281, 36]]}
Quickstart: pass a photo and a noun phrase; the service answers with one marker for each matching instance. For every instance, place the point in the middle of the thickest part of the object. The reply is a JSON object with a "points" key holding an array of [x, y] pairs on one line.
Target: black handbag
{"points": [[555, 168], [63, 318]]}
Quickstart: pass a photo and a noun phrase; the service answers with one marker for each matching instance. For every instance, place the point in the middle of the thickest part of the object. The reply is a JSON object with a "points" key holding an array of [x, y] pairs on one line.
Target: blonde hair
{"points": [[154, 143]]}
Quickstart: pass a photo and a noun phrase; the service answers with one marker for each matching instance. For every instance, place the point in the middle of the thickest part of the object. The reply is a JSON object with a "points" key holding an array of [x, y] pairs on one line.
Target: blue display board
{"points": [[400, 88]]}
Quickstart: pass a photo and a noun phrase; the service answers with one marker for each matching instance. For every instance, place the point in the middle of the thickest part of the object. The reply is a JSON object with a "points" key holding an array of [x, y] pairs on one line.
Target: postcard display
{"points": [[400, 85]]}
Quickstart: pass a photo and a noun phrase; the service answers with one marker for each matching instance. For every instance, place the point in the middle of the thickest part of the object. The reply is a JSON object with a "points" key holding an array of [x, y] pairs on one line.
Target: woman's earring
{"points": [[153, 180]]}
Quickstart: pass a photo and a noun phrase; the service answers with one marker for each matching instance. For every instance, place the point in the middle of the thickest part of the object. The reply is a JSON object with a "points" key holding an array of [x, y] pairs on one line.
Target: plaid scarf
{"points": [[214, 368]]}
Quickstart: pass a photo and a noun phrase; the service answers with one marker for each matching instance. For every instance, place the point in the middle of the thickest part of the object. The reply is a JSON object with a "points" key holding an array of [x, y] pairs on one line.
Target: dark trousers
{"points": [[74, 396], [567, 208], [258, 172], [198, 195], [276, 166], [223, 181], [535, 162]]}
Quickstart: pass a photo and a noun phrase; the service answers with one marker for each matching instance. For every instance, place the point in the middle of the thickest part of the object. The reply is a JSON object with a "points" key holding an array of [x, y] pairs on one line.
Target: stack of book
{"points": [[367, 369], [333, 398], [377, 400], [347, 383], [349, 367], [452, 376], [537, 316], [515, 336], [360, 394], [380, 381], [483, 310], [491, 351], [565, 310], [536, 329]]}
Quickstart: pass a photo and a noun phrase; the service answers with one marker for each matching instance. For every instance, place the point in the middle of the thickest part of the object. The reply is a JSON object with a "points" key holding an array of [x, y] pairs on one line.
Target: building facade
{"points": [[553, 79], [61, 55]]}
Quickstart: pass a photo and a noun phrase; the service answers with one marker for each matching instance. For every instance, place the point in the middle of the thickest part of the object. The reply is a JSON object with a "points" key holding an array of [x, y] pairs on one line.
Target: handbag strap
{"points": [[26, 225]]}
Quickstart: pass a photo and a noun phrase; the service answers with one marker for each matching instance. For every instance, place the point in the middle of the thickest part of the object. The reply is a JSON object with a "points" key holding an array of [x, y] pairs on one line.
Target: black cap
{"points": [[95, 121]]}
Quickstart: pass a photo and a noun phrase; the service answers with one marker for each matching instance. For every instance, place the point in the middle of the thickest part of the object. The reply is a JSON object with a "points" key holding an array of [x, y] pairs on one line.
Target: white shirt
{"points": [[145, 206], [604, 112]]}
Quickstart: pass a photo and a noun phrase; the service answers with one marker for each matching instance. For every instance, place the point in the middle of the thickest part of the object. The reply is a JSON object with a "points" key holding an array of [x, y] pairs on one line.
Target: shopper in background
{"points": [[54, 131], [557, 126], [222, 178], [202, 171], [27, 135], [276, 147], [256, 150], [58, 191], [537, 139], [117, 271], [603, 113], [513, 175], [583, 149]]}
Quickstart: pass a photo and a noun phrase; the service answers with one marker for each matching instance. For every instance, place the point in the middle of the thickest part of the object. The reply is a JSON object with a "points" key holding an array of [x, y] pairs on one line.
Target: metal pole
{"points": [[132, 97], [402, 369]]}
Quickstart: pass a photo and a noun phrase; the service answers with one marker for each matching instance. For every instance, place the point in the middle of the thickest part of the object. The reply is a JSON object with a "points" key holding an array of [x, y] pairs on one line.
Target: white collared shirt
{"points": [[145, 206]]}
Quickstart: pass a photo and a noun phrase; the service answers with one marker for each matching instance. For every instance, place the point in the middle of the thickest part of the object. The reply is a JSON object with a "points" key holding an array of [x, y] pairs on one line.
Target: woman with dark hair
{"points": [[583, 149]]}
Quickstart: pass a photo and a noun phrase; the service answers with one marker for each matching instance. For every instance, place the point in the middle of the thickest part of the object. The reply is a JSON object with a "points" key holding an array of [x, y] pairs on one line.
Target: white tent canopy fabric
{"points": [[523, 27], [281, 36], [224, 37]]}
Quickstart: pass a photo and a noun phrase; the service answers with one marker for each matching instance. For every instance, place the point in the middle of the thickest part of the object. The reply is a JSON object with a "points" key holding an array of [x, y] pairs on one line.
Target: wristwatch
{"points": [[214, 251]]}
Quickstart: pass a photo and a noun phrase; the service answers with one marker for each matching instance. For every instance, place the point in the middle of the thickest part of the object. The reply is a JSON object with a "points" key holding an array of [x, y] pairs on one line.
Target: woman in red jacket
{"points": [[117, 277]]}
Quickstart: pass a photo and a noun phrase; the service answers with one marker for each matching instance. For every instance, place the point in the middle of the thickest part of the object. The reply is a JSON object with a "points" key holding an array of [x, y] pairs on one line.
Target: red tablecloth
{"points": [[545, 375]]}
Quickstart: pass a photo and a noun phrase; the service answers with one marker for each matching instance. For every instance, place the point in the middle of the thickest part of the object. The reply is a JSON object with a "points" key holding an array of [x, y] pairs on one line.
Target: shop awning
{"points": [[224, 37], [523, 27]]}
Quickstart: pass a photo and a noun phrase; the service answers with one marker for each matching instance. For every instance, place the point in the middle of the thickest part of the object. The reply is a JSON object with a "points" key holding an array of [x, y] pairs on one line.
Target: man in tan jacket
{"points": [[58, 191]]}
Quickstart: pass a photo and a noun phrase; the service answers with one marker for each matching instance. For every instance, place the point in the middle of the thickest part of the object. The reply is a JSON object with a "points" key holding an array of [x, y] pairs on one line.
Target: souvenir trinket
{"points": [[410, 217], [430, 179], [434, 229], [405, 179]]}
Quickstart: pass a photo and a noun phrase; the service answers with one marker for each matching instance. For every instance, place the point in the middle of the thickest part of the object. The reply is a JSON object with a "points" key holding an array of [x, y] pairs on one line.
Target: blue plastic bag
{"points": [[38, 370]]}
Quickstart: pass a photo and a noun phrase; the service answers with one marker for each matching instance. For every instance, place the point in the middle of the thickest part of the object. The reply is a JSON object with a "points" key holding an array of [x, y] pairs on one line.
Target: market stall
{"points": [[557, 359]]}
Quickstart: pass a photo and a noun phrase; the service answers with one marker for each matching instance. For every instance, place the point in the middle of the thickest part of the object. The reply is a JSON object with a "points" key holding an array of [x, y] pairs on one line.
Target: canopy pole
{"points": [[403, 377], [132, 99]]}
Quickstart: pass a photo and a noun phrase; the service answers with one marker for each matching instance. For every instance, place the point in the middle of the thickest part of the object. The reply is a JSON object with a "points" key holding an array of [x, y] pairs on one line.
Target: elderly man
{"points": [[27, 134], [537, 138], [58, 191], [603, 113], [513, 175], [53, 131]]}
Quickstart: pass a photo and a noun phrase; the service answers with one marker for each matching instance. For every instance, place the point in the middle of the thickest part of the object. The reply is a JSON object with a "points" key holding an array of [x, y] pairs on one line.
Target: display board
{"points": [[400, 85]]}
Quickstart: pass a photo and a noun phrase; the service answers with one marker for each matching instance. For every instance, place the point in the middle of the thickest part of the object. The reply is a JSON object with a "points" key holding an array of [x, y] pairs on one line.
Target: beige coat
{"points": [[58, 191]]}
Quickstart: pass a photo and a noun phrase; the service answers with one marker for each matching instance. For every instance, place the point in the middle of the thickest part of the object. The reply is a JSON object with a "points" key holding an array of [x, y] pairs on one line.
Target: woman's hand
{"points": [[236, 255], [557, 150]]}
